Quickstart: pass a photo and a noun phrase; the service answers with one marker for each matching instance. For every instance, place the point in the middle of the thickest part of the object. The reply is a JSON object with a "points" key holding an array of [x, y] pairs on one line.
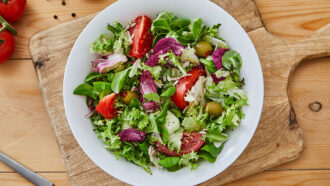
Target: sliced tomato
{"points": [[184, 85], [106, 106], [142, 37], [190, 142], [12, 10]]}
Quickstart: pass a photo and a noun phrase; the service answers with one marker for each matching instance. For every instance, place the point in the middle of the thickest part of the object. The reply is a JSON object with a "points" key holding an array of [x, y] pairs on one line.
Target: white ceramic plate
{"points": [[78, 67]]}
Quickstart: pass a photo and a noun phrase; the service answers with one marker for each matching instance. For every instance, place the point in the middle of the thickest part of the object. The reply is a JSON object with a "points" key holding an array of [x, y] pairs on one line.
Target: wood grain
{"points": [[286, 178], [24, 125], [14, 179], [278, 138], [294, 19], [311, 83], [279, 17], [39, 16]]}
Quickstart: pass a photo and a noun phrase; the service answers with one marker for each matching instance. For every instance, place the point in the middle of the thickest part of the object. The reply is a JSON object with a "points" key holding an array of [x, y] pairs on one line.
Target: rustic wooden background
{"points": [[26, 135]]}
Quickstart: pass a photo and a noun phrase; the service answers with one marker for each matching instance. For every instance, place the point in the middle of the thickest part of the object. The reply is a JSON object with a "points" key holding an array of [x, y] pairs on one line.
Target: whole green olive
{"points": [[128, 95], [213, 108], [203, 48]]}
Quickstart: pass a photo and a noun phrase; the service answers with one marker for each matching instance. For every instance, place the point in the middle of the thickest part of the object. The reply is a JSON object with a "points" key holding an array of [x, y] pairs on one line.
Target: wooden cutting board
{"points": [[278, 138]]}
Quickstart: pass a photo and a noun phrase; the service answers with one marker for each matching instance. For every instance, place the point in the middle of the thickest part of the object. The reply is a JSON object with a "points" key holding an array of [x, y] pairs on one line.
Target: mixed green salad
{"points": [[164, 92]]}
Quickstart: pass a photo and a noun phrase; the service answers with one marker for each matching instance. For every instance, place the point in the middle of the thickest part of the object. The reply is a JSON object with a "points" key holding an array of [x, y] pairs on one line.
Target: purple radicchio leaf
{"points": [[217, 57], [108, 62], [131, 135], [162, 47], [216, 79], [91, 108], [147, 85]]}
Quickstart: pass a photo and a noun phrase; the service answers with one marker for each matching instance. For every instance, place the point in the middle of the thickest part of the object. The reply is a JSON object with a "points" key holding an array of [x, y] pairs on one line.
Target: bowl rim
{"points": [[112, 173]]}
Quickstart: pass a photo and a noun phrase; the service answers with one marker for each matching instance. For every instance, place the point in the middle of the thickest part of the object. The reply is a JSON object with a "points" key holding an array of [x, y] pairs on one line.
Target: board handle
{"points": [[315, 46]]}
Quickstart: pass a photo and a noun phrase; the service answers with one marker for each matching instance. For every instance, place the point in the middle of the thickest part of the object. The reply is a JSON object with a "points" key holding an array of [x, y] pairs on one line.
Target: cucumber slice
{"points": [[190, 124], [175, 139], [172, 123]]}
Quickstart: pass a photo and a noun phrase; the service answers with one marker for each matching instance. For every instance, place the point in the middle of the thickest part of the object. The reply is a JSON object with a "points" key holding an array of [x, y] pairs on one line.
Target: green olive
{"points": [[213, 108], [203, 48], [128, 96]]}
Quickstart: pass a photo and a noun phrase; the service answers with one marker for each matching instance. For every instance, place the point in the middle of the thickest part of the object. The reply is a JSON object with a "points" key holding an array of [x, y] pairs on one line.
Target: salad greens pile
{"points": [[175, 105]]}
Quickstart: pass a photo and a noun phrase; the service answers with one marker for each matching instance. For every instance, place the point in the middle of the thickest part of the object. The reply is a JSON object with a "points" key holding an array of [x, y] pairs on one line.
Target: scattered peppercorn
{"points": [[63, 3], [73, 14], [55, 16]]}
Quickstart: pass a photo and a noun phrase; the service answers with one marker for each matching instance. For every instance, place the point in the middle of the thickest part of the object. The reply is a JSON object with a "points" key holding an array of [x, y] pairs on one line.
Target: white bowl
{"points": [[78, 67]]}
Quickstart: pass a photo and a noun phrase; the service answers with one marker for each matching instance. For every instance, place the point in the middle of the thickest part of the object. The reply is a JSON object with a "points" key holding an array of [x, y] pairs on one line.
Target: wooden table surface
{"points": [[26, 134]]}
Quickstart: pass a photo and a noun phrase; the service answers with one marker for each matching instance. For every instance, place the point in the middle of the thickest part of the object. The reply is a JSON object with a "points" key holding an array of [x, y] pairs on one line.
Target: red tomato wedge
{"points": [[142, 37], [12, 10], [7, 43], [106, 106], [184, 85], [190, 142]]}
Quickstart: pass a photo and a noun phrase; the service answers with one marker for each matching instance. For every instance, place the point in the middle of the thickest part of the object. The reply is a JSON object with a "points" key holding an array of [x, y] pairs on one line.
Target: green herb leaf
{"points": [[212, 149], [179, 23], [152, 97], [207, 156], [1, 41], [169, 162], [86, 90], [119, 80], [103, 88], [135, 102], [209, 65], [169, 92], [216, 137], [161, 23], [93, 75], [197, 28], [161, 119]]}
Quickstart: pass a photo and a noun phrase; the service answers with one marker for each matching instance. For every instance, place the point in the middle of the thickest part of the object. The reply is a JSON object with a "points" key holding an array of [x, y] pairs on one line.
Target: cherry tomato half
{"points": [[106, 106], [190, 142], [184, 85], [12, 10], [7, 45], [142, 37]]}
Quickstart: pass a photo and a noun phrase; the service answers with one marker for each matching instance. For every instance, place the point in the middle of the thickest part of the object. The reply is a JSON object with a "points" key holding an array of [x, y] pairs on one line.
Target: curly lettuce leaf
{"points": [[120, 40], [135, 117]]}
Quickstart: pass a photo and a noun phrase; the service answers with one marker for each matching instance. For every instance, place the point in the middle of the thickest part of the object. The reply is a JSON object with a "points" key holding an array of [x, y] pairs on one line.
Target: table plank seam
{"points": [[20, 58]]}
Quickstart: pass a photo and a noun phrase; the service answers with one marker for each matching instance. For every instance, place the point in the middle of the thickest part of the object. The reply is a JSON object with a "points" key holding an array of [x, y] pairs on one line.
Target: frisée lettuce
{"points": [[174, 106]]}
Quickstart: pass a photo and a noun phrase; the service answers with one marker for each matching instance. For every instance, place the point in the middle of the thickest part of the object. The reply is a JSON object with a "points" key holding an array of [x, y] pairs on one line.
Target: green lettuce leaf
{"points": [[86, 90], [152, 97], [119, 80], [169, 92], [103, 88]]}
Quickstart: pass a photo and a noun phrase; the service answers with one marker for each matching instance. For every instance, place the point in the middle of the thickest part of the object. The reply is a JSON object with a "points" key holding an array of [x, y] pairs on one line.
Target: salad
{"points": [[164, 93]]}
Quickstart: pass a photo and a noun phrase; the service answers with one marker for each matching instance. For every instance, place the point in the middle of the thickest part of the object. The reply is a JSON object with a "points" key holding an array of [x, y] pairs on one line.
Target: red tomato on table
{"points": [[106, 106], [190, 142], [7, 43], [142, 37], [12, 10], [184, 85]]}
